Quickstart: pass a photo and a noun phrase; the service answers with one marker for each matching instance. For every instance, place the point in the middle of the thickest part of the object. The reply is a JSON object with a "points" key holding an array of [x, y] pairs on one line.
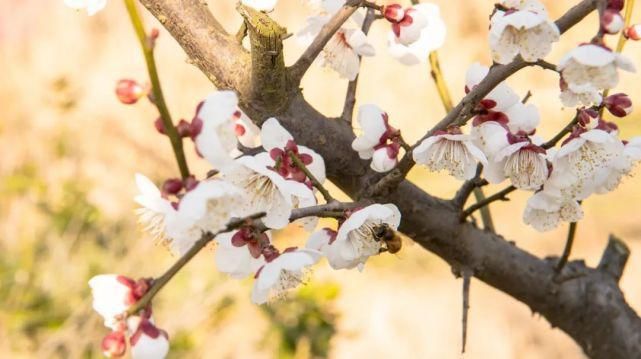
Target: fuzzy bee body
{"points": [[392, 242]]}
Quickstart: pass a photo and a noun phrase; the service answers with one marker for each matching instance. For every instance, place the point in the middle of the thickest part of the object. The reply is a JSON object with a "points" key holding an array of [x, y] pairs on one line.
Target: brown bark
{"points": [[586, 303]]}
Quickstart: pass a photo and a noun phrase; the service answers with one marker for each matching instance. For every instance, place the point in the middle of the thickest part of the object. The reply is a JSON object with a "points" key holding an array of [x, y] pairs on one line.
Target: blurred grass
{"points": [[69, 150]]}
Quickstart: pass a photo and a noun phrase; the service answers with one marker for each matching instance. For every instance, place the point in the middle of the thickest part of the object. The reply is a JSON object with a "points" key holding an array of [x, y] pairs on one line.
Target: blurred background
{"points": [[69, 151]]}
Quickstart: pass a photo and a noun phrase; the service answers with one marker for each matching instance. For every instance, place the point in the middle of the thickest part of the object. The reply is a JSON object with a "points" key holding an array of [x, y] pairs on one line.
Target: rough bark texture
{"points": [[586, 303]]}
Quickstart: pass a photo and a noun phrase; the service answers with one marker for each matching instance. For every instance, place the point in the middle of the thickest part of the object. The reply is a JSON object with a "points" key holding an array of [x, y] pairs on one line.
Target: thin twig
{"points": [[319, 186], [486, 215], [527, 97], [161, 281], [495, 197], [467, 279], [568, 248], [567, 129], [546, 65], [350, 96], [147, 46]]}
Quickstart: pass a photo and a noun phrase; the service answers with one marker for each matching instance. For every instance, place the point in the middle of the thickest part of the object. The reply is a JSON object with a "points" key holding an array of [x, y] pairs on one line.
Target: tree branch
{"points": [[268, 75], [350, 96]]}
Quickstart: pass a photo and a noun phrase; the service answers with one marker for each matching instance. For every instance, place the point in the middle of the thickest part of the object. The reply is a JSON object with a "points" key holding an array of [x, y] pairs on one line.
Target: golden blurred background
{"points": [[69, 151]]}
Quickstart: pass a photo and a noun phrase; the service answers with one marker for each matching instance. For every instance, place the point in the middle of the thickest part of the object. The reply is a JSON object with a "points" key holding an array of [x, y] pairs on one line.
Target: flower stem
{"points": [[568, 248], [629, 6], [146, 43], [160, 282], [328, 197]]}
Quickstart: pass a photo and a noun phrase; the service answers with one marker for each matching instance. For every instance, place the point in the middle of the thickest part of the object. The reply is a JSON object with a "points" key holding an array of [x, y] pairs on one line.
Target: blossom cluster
{"points": [[278, 179]]}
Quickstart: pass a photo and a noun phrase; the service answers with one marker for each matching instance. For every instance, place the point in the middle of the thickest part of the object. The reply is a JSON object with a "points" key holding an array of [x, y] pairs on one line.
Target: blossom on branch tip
{"points": [[619, 104], [92, 6], [219, 126], [283, 272], [378, 141], [499, 99], [130, 91], [612, 22], [356, 240], [450, 150], [524, 29], [113, 294], [420, 31]]}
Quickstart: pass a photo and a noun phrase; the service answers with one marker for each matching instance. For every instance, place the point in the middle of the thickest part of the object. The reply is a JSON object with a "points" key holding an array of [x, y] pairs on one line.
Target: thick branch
{"points": [[268, 75]]}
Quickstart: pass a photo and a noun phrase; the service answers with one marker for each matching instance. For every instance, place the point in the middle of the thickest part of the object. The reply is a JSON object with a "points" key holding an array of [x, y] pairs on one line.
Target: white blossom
{"points": [[112, 295], [92, 6], [355, 240], [524, 29], [378, 140], [147, 341], [499, 99], [219, 125], [451, 151], [285, 272], [266, 190], [412, 44], [342, 52], [592, 65], [522, 162], [546, 209], [236, 261]]}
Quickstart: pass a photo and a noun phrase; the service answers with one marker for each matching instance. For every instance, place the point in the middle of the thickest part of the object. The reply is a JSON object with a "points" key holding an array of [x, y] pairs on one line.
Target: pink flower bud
{"points": [[172, 186], [114, 345], [160, 126], [616, 5], [633, 32], [393, 13], [190, 183], [129, 91], [618, 104], [612, 21], [184, 128]]}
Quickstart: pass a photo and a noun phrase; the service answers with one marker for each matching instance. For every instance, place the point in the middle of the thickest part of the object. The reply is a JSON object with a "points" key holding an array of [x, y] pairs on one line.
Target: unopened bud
{"points": [[612, 21], [160, 126], [153, 36], [129, 91], [114, 345], [620, 104], [172, 186], [393, 13], [616, 5], [633, 32], [183, 128]]}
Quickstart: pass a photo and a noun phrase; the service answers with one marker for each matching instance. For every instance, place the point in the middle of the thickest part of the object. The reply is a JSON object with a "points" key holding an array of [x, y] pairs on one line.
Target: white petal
{"points": [[273, 135]]}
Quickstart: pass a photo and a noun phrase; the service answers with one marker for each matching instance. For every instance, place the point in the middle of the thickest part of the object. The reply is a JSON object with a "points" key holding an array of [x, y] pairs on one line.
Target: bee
{"points": [[392, 241]]}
